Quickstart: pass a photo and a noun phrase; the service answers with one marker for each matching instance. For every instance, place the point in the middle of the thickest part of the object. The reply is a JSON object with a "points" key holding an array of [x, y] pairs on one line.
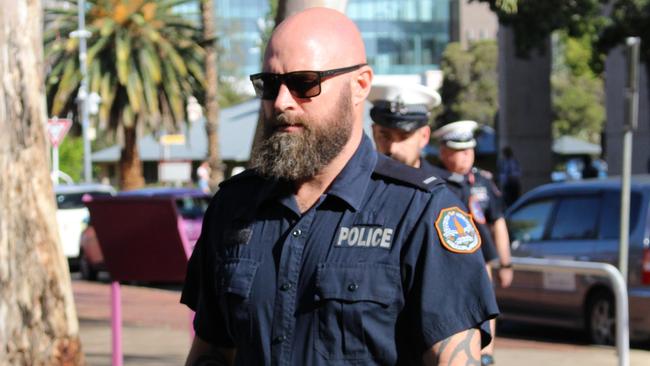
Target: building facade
{"points": [[471, 21], [402, 37]]}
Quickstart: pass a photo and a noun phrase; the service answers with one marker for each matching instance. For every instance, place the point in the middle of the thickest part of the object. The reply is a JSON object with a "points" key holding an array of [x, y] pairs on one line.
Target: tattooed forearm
{"points": [[461, 349], [464, 349], [443, 344]]}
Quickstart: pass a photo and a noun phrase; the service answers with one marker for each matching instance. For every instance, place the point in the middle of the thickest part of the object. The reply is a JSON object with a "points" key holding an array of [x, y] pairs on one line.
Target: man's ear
{"points": [[361, 85], [425, 136]]}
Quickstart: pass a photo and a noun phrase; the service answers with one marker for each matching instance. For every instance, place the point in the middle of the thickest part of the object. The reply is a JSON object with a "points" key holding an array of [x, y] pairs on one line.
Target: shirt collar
{"points": [[351, 183]]}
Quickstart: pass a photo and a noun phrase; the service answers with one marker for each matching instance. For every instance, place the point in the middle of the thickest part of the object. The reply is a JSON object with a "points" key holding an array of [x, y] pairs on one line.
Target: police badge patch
{"points": [[457, 231]]}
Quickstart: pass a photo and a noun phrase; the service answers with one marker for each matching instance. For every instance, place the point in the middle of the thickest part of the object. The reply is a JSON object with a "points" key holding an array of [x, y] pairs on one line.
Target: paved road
{"points": [[157, 332]]}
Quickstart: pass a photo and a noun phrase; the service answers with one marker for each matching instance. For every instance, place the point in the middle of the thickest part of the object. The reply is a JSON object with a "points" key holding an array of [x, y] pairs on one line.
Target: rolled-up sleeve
{"points": [[448, 290]]}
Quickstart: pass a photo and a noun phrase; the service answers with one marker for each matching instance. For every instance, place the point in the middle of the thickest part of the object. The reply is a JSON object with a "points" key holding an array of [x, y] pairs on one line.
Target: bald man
{"points": [[326, 252]]}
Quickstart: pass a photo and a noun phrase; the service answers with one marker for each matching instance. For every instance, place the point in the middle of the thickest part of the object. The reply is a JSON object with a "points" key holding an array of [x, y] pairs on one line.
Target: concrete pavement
{"points": [[156, 331]]}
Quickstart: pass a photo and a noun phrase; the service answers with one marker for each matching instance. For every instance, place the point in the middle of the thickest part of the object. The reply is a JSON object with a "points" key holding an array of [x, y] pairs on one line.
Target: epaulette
{"points": [[245, 175], [398, 172], [484, 173]]}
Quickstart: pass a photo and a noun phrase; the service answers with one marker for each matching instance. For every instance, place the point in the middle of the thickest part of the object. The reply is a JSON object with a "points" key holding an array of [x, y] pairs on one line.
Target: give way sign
{"points": [[57, 128]]}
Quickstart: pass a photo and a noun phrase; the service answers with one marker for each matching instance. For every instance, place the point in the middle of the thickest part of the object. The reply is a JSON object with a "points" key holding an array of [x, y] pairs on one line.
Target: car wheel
{"points": [[86, 268], [601, 321]]}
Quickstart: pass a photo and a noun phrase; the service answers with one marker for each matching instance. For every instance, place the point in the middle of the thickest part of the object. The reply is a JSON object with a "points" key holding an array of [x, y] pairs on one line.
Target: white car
{"points": [[72, 214]]}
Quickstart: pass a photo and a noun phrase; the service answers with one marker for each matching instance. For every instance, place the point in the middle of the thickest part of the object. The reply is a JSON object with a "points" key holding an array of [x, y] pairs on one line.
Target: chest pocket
{"points": [[236, 280], [357, 307]]}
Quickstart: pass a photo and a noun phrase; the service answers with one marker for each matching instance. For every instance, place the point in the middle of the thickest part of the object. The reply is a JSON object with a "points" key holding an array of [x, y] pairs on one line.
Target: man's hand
{"points": [[505, 276], [502, 243], [461, 349]]}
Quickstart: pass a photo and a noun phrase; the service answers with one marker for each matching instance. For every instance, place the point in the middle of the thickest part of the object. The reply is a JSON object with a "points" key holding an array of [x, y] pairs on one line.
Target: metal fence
{"points": [[589, 268]]}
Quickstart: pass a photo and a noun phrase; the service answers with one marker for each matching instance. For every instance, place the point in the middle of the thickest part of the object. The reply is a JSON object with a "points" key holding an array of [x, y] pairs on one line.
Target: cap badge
{"points": [[398, 106]]}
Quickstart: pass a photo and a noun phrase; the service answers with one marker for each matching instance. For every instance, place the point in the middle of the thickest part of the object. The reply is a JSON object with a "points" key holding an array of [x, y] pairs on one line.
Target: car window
{"points": [[610, 223], [192, 207], [74, 200], [528, 222], [576, 218]]}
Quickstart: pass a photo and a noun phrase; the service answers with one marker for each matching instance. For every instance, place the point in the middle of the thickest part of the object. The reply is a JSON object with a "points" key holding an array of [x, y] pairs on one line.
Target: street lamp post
{"points": [[82, 98]]}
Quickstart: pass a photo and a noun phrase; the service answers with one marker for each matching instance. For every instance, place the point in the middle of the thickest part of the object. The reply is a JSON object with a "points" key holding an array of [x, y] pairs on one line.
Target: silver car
{"points": [[579, 221]]}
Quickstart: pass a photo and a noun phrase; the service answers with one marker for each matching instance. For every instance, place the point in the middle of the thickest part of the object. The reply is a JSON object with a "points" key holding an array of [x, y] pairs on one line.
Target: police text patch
{"points": [[457, 231], [364, 237]]}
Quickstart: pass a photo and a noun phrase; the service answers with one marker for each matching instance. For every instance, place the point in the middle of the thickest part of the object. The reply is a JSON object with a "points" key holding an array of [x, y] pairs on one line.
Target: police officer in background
{"points": [[401, 115], [326, 252], [478, 190]]}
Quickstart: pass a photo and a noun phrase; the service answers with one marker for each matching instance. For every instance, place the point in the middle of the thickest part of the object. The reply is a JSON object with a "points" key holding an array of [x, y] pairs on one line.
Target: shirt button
{"points": [[279, 339], [296, 233], [285, 286], [353, 287]]}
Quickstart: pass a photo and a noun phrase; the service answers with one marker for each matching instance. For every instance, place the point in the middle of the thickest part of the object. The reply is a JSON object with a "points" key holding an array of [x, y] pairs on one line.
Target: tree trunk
{"points": [[38, 321], [211, 100], [130, 164]]}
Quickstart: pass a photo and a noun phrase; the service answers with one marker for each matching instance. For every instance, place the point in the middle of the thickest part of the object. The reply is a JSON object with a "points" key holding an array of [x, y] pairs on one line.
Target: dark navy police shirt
{"points": [[363, 277]]}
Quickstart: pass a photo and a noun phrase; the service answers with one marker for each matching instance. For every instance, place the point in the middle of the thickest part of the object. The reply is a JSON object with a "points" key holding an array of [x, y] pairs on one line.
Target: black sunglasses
{"points": [[302, 84]]}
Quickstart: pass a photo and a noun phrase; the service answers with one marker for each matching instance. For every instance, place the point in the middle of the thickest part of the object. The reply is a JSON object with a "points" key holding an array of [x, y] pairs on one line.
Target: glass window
{"points": [[610, 222], [576, 218], [192, 207], [529, 221], [75, 200]]}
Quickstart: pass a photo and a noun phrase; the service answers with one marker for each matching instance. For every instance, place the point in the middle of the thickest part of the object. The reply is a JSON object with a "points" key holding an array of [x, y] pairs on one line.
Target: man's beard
{"points": [[301, 155]]}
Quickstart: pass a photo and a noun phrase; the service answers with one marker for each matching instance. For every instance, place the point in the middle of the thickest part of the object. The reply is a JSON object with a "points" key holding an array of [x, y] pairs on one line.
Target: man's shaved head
{"points": [[304, 136], [317, 39]]}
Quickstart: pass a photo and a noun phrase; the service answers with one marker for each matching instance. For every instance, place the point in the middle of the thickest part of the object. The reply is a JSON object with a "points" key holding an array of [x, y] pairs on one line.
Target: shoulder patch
{"points": [[391, 168], [457, 231]]}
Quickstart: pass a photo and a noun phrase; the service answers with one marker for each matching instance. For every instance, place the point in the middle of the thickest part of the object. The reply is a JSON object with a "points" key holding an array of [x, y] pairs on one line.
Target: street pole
{"points": [[630, 123], [55, 165], [82, 98]]}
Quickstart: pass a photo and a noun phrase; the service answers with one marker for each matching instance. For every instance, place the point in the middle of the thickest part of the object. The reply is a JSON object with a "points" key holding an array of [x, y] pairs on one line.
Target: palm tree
{"points": [[144, 60], [211, 92]]}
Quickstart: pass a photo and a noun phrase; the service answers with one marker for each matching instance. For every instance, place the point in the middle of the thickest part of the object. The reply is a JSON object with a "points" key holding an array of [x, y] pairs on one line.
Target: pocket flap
{"points": [[357, 282], [238, 275]]}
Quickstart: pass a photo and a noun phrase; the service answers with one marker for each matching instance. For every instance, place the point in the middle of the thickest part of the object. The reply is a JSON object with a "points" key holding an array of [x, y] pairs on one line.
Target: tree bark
{"points": [[38, 322], [130, 165], [212, 89]]}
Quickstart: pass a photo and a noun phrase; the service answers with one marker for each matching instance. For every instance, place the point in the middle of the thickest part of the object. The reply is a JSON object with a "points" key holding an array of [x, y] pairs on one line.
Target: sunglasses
{"points": [[302, 84]]}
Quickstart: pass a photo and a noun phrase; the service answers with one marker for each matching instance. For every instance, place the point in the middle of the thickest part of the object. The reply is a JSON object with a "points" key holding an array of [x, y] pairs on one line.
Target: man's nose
{"points": [[284, 100], [393, 148]]}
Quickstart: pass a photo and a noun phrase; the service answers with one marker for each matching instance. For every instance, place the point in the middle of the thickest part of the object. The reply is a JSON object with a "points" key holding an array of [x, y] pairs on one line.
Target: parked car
{"points": [[190, 205], [579, 221], [72, 214]]}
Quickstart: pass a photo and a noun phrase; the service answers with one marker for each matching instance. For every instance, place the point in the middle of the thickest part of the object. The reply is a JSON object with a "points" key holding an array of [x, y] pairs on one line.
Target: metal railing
{"points": [[598, 269]]}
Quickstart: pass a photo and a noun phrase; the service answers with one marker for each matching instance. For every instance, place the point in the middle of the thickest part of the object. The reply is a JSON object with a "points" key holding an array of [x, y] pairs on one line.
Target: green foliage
{"points": [[577, 92], [628, 18], [578, 106], [469, 89], [229, 96], [269, 25], [534, 20], [71, 155], [144, 60]]}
